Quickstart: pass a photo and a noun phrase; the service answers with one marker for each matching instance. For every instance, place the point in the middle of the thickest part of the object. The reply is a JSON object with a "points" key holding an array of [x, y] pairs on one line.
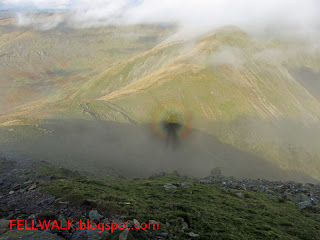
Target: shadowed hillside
{"points": [[109, 148]]}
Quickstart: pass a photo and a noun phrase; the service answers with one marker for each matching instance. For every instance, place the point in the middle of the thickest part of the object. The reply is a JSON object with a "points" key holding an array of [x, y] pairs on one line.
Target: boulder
{"points": [[184, 225], [47, 201], [136, 223], [62, 219], [305, 204], [33, 186], [193, 235], [163, 234], [124, 234], [216, 172], [169, 187], [239, 194], [94, 216], [204, 181], [185, 184], [4, 225]]}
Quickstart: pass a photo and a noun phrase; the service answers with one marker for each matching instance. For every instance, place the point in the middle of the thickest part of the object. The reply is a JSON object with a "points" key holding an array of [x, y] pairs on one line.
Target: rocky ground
{"points": [[34, 190], [304, 195]]}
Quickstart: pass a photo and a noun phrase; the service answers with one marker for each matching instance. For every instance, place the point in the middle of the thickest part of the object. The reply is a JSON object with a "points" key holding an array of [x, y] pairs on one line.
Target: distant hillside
{"points": [[246, 91], [47, 65]]}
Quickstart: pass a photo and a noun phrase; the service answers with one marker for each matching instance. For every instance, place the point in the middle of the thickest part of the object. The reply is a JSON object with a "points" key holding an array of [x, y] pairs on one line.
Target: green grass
{"points": [[210, 211]]}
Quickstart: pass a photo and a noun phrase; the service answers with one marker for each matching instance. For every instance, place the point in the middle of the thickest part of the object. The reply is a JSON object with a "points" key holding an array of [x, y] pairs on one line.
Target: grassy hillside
{"points": [[246, 91], [48, 65]]}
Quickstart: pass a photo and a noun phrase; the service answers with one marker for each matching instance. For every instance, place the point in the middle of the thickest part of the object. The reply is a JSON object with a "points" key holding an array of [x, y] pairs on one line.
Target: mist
{"points": [[194, 17], [105, 148]]}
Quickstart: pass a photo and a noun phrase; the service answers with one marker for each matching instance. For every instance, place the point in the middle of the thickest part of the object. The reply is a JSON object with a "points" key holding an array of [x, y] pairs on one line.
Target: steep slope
{"points": [[47, 65], [129, 71], [247, 82], [239, 88]]}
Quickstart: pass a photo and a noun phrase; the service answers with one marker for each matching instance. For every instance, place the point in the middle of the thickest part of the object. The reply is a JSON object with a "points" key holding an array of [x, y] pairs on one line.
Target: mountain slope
{"points": [[47, 65], [238, 88]]}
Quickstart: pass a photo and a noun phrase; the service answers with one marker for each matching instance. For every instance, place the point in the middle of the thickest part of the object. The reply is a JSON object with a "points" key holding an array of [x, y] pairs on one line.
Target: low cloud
{"points": [[195, 16], [226, 56], [36, 4]]}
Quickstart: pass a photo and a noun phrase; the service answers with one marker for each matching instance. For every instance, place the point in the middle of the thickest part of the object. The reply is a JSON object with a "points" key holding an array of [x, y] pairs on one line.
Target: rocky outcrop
{"points": [[304, 195]]}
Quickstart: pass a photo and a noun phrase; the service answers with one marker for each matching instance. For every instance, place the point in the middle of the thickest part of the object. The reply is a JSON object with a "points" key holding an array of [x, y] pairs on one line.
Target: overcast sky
{"points": [[190, 14]]}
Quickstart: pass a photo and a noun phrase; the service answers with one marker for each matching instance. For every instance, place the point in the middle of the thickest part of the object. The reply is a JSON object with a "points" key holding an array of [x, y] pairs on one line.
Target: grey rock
{"points": [[124, 234], [16, 187], [297, 198], [204, 181], [4, 225], [32, 217], [153, 221], [136, 223], [95, 216], [315, 201], [163, 234], [185, 184], [304, 198], [305, 204], [10, 216], [269, 191], [28, 182], [160, 174], [169, 187], [47, 201], [62, 219], [33, 186], [193, 235], [240, 195], [288, 195], [216, 171], [22, 190], [184, 225], [305, 187]]}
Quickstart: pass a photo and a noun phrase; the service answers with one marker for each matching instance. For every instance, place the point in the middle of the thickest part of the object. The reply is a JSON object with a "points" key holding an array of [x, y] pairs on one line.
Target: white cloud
{"points": [[195, 15], [226, 56], [40, 4]]}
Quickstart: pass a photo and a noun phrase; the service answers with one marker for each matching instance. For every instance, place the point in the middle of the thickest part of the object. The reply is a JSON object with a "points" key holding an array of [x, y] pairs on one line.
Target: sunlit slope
{"points": [[129, 71], [250, 82], [48, 65], [251, 101], [220, 77]]}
